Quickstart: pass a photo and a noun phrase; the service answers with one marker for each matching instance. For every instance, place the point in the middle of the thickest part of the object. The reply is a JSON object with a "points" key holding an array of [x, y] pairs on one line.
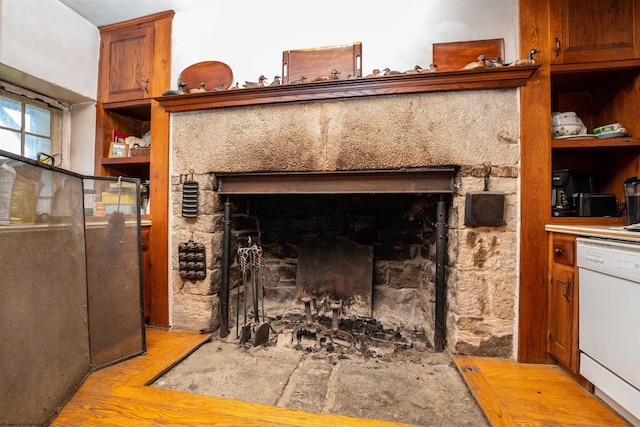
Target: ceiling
{"points": [[103, 12]]}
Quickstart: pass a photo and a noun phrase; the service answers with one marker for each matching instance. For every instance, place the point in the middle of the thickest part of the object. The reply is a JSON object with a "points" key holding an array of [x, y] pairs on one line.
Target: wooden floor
{"points": [[520, 394], [510, 394]]}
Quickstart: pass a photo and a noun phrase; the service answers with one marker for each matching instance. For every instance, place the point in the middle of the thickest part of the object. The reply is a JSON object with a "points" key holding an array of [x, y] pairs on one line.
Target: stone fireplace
{"points": [[397, 134]]}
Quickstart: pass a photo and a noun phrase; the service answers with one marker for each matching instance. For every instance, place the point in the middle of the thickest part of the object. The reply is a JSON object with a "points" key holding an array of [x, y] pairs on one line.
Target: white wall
{"points": [[47, 40], [250, 36], [83, 137], [48, 48]]}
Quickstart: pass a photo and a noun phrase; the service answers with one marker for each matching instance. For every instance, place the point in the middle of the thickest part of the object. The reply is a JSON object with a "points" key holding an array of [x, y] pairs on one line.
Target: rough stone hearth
{"points": [[387, 377], [465, 129]]}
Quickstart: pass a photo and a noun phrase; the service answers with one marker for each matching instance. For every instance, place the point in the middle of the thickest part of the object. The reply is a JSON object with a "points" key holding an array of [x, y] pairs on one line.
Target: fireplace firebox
{"points": [[374, 253]]}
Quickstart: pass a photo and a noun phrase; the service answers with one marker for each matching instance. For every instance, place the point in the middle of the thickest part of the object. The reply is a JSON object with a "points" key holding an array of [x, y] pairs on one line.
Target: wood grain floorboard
{"points": [[522, 394]]}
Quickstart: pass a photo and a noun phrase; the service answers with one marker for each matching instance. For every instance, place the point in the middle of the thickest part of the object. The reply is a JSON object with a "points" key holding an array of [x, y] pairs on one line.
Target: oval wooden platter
{"points": [[214, 75]]}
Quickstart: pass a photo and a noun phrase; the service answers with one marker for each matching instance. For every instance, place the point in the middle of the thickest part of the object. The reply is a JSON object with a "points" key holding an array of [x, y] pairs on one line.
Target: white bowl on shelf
{"points": [[564, 118], [566, 129]]}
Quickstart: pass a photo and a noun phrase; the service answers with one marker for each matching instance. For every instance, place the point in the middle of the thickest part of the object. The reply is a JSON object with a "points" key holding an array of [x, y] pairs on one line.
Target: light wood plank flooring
{"points": [[510, 394], [520, 394]]}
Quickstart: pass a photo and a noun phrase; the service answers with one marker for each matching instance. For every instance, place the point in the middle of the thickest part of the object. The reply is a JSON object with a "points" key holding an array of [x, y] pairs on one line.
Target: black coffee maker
{"points": [[564, 185]]}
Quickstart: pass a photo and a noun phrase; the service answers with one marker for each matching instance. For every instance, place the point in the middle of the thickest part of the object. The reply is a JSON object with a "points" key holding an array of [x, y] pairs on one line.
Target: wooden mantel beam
{"points": [[477, 79]]}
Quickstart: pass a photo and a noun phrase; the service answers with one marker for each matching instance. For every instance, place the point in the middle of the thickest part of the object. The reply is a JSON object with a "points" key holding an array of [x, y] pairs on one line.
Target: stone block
{"points": [[471, 294], [405, 308], [485, 337], [405, 275], [501, 291], [193, 312]]}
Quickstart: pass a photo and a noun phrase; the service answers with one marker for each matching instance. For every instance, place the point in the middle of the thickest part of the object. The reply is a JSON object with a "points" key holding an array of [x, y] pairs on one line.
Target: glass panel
{"points": [[113, 269], [10, 141], [35, 144], [43, 297], [70, 286], [10, 113], [37, 120]]}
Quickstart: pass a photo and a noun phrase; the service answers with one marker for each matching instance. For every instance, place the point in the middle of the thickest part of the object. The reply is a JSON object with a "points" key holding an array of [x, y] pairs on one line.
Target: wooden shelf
{"points": [[595, 143], [135, 160], [606, 66], [478, 79], [139, 109]]}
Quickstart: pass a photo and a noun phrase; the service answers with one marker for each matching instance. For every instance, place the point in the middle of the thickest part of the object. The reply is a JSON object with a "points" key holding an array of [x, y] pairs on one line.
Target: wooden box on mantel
{"points": [[316, 62], [455, 55]]}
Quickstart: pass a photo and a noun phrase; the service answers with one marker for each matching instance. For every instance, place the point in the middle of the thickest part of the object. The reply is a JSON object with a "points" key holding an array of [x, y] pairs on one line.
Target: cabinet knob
{"points": [[557, 50], [557, 252]]}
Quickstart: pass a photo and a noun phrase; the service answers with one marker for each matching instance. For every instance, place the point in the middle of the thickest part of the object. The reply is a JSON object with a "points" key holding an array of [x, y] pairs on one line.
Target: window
{"points": [[29, 126]]}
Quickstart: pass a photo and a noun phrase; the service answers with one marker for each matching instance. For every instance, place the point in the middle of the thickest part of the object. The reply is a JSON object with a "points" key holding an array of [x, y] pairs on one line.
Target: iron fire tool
{"points": [[320, 330], [335, 331], [250, 260]]}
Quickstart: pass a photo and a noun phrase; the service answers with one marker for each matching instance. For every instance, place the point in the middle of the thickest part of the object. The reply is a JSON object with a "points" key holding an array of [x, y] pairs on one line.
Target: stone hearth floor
{"points": [[384, 378]]}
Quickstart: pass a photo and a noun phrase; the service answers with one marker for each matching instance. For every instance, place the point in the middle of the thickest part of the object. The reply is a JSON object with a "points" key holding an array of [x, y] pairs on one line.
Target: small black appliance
{"points": [[594, 204], [564, 185]]}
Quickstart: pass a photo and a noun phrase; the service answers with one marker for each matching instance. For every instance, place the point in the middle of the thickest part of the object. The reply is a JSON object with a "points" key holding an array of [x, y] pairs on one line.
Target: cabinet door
{"points": [[561, 305], [594, 30], [127, 58]]}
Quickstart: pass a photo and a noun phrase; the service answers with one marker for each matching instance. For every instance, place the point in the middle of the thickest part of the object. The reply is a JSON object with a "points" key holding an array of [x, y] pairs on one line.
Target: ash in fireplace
{"points": [[369, 337]]}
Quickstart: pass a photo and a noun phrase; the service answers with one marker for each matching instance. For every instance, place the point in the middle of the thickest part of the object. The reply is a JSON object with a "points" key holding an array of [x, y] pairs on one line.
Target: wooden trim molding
{"points": [[137, 21], [477, 79]]}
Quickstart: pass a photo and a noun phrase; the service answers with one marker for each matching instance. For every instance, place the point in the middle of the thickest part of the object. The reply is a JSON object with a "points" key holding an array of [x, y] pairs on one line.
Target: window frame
{"points": [[60, 120]]}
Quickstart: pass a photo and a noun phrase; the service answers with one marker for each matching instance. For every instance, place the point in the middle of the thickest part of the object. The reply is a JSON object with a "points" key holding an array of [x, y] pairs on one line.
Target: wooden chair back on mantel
{"points": [[315, 62], [455, 55]]}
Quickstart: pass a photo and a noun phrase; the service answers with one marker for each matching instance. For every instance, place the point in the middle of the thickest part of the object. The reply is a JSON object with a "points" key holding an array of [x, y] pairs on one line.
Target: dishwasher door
{"points": [[609, 313], [610, 323]]}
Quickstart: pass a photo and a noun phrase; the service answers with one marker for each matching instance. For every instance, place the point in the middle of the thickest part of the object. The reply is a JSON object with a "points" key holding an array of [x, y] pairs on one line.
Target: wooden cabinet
{"points": [[562, 301], [135, 67], [594, 30], [126, 62], [596, 74]]}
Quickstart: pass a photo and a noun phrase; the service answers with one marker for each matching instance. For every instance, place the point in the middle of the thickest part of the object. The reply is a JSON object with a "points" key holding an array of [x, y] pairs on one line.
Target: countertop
{"points": [[596, 231]]}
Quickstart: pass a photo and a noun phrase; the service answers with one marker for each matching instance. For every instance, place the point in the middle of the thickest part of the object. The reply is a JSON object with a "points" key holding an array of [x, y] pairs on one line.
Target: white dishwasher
{"points": [[609, 310]]}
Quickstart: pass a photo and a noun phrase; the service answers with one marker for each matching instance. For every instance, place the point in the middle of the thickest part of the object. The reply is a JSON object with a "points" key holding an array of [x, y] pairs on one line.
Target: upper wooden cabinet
{"points": [[126, 62], [134, 58], [594, 30]]}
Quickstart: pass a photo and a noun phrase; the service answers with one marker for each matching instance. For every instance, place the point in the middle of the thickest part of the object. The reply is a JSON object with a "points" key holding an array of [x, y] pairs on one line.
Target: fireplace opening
{"points": [[317, 245]]}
